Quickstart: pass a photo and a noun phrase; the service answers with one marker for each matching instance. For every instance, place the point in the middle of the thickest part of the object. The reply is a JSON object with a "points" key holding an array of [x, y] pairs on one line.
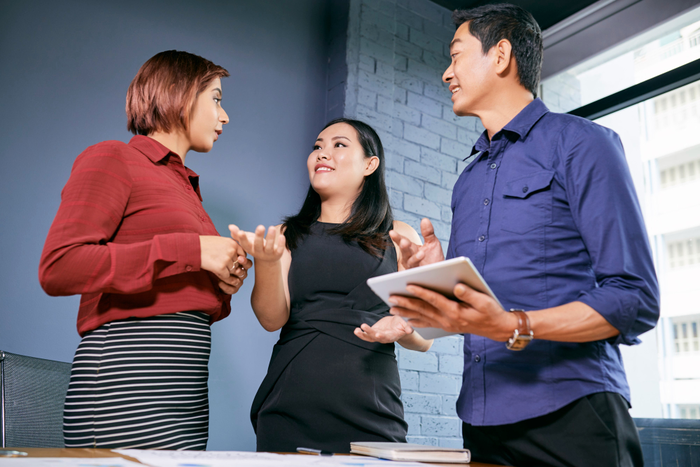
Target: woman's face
{"points": [[337, 165], [207, 118]]}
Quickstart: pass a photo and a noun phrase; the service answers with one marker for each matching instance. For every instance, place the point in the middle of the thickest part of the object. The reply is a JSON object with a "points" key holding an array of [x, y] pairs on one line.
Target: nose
{"points": [[448, 74], [321, 155], [223, 116]]}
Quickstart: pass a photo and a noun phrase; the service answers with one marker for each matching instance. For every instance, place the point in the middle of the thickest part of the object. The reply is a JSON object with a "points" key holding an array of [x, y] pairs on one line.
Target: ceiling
{"points": [[546, 12]]}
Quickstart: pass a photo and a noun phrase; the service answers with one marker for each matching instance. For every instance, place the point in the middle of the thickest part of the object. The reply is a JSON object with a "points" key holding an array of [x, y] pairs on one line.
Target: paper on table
{"points": [[67, 462], [251, 459]]}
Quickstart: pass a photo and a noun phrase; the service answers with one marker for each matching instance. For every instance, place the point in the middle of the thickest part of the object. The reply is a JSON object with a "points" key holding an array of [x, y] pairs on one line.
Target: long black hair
{"points": [[370, 218]]}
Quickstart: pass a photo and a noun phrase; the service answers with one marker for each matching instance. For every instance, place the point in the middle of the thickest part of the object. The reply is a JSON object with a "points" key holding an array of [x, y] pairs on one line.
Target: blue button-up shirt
{"points": [[548, 214]]}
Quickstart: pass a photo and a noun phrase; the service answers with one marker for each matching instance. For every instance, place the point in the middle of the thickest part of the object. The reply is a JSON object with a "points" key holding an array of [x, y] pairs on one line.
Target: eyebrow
{"points": [[335, 137], [454, 41], [217, 89]]}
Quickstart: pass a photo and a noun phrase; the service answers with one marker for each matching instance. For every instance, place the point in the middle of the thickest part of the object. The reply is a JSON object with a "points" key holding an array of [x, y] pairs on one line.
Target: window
{"points": [[661, 136]]}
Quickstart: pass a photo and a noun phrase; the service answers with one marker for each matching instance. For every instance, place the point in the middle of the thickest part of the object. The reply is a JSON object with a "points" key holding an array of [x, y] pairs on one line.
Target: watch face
{"points": [[518, 341]]}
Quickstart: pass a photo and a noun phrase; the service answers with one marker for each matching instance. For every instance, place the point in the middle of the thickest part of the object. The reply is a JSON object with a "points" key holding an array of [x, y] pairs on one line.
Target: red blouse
{"points": [[126, 237]]}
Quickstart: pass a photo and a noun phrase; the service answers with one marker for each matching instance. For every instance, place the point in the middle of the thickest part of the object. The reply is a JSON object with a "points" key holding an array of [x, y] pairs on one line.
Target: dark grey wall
{"points": [[64, 70]]}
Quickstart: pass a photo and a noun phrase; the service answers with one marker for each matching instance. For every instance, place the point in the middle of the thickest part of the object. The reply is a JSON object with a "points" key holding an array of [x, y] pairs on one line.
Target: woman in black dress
{"points": [[333, 377]]}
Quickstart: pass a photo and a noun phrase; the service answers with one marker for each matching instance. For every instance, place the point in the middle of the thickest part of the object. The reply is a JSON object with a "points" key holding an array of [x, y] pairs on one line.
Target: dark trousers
{"points": [[596, 430]]}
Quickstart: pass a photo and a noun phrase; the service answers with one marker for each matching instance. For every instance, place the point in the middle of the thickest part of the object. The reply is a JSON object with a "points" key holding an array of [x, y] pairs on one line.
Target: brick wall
{"points": [[396, 53]]}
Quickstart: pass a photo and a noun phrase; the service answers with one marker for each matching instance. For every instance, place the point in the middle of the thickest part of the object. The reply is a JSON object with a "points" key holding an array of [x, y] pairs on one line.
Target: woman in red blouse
{"points": [[131, 236]]}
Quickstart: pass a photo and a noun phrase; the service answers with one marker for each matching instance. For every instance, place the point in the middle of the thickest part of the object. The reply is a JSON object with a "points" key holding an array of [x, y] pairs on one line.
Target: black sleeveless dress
{"points": [[325, 387]]}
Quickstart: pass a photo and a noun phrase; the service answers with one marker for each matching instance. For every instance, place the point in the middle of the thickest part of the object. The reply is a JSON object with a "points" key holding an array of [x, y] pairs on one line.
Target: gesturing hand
{"points": [[413, 255], [225, 258], [263, 249], [385, 331]]}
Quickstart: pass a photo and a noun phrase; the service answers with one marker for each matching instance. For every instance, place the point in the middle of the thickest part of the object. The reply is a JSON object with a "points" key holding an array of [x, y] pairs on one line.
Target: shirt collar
{"points": [[156, 152], [521, 124]]}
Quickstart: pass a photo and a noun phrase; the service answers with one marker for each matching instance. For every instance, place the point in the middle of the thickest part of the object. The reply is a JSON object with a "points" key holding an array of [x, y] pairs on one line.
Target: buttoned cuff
{"points": [[619, 308]]}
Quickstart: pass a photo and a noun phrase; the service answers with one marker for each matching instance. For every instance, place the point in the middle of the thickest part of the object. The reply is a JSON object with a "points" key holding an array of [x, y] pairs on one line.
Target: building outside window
{"points": [[661, 137]]}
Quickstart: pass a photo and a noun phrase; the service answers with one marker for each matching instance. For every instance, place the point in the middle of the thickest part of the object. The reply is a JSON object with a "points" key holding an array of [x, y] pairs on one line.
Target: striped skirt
{"points": [[141, 383]]}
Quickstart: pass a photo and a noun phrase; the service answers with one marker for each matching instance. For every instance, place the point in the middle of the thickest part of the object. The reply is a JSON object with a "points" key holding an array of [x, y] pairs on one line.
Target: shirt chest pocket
{"points": [[527, 202]]}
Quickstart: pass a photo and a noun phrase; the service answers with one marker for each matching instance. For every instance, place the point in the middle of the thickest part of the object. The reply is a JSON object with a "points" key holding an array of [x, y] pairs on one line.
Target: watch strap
{"points": [[523, 333]]}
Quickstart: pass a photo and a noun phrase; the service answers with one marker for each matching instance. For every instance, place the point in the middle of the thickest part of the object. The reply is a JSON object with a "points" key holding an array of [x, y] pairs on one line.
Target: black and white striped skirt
{"points": [[141, 383]]}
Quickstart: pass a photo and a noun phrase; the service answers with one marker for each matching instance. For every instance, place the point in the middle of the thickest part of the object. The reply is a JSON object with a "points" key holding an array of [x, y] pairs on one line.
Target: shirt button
{"points": [[188, 268], [525, 188], [486, 202], [477, 359], [493, 166], [482, 238], [203, 218]]}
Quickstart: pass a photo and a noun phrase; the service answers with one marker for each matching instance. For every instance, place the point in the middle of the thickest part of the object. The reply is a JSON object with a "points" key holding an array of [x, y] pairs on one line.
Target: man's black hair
{"points": [[492, 23]]}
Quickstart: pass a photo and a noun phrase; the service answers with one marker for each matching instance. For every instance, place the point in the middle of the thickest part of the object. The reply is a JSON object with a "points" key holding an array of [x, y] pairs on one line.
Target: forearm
{"points": [[269, 299], [572, 322], [415, 341], [84, 264]]}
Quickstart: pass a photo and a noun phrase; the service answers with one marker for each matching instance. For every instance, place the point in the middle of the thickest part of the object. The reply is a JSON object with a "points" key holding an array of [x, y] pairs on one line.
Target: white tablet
{"points": [[440, 277]]}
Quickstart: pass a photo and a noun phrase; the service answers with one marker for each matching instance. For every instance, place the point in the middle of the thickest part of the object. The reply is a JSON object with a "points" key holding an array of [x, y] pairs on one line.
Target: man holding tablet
{"points": [[547, 212]]}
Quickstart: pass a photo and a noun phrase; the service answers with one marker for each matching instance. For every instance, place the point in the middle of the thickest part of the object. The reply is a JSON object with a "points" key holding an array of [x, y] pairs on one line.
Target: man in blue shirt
{"points": [[547, 212]]}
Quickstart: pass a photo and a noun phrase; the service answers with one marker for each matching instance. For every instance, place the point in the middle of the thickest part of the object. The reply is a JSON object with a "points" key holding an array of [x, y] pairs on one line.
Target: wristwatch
{"points": [[523, 333]]}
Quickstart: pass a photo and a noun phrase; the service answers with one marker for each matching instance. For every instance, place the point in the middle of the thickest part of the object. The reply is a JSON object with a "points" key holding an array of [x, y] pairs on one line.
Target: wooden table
{"points": [[92, 453]]}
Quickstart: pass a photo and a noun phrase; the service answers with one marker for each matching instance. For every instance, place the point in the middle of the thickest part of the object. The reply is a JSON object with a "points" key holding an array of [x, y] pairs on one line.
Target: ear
{"points": [[503, 56], [371, 165]]}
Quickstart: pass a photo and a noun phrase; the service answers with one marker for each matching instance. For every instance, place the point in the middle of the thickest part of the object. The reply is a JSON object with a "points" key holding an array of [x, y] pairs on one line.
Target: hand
{"points": [[473, 313], [385, 331], [413, 255], [226, 259], [264, 249]]}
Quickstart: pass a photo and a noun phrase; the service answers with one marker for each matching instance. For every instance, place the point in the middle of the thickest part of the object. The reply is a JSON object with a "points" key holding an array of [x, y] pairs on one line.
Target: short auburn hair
{"points": [[161, 95]]}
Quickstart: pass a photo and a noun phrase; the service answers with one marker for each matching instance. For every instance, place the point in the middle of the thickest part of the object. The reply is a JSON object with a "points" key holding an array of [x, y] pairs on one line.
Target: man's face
{"points": [[470, 75]]}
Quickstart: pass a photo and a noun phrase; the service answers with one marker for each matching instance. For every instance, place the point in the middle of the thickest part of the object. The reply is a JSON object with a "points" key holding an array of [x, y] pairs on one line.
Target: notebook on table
{"points": [[410, 452]]}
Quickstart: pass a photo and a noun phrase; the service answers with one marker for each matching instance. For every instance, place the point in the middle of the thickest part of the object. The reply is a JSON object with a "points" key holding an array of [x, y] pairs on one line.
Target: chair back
{"points": [[33, 392], [668, 441]]}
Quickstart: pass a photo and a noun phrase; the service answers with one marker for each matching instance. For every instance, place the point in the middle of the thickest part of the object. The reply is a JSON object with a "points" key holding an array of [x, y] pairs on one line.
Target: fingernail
{"points": [[460, 289]]}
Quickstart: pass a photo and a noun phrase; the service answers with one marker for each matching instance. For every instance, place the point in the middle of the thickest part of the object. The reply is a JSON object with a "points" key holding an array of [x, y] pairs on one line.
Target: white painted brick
{"points": [[421, 403], [437, 60], [374, 83], [366, 98], [373, 118], [377, 18], [385, 105], [404, 183], [451, 345], [449, 180], [423, 207], [439, 92], [376, 51], [425, 41], [441, 161], [407, 17], [420, 135], [400, 63], [439, 126], [454, 148], [407, 114], [383, 6], [410, 83], [424, 440], [453, 364], [423, 71], [424, 104], [439, 30], [418, 361], [446, 213], [419, 171], [439, 383], [449, 405], [428, 10], [400, 95], [438, 195], [409, 380], [396, 199], [413, 421], [394, 162], [442, 229], [367, 63], [406, 149], [384, 70], [441, 426], [405, 48]]}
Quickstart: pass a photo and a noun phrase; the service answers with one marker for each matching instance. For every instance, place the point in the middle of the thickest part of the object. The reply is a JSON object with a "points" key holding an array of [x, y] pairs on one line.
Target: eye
{"points": [[217, 100], [340, 145], [316, 147]]}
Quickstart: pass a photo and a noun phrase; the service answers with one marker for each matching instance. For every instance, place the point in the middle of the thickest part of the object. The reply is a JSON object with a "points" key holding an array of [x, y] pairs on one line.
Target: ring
{"points": [[235, 265]]}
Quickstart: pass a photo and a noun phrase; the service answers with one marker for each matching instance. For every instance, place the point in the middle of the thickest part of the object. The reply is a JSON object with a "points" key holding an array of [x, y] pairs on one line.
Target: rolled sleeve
{"points": [[606, 210]]}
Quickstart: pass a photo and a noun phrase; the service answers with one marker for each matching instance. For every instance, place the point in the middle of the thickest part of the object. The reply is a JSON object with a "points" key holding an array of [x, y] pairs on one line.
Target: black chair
{"points": [[669, 442], [33, 391]]}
